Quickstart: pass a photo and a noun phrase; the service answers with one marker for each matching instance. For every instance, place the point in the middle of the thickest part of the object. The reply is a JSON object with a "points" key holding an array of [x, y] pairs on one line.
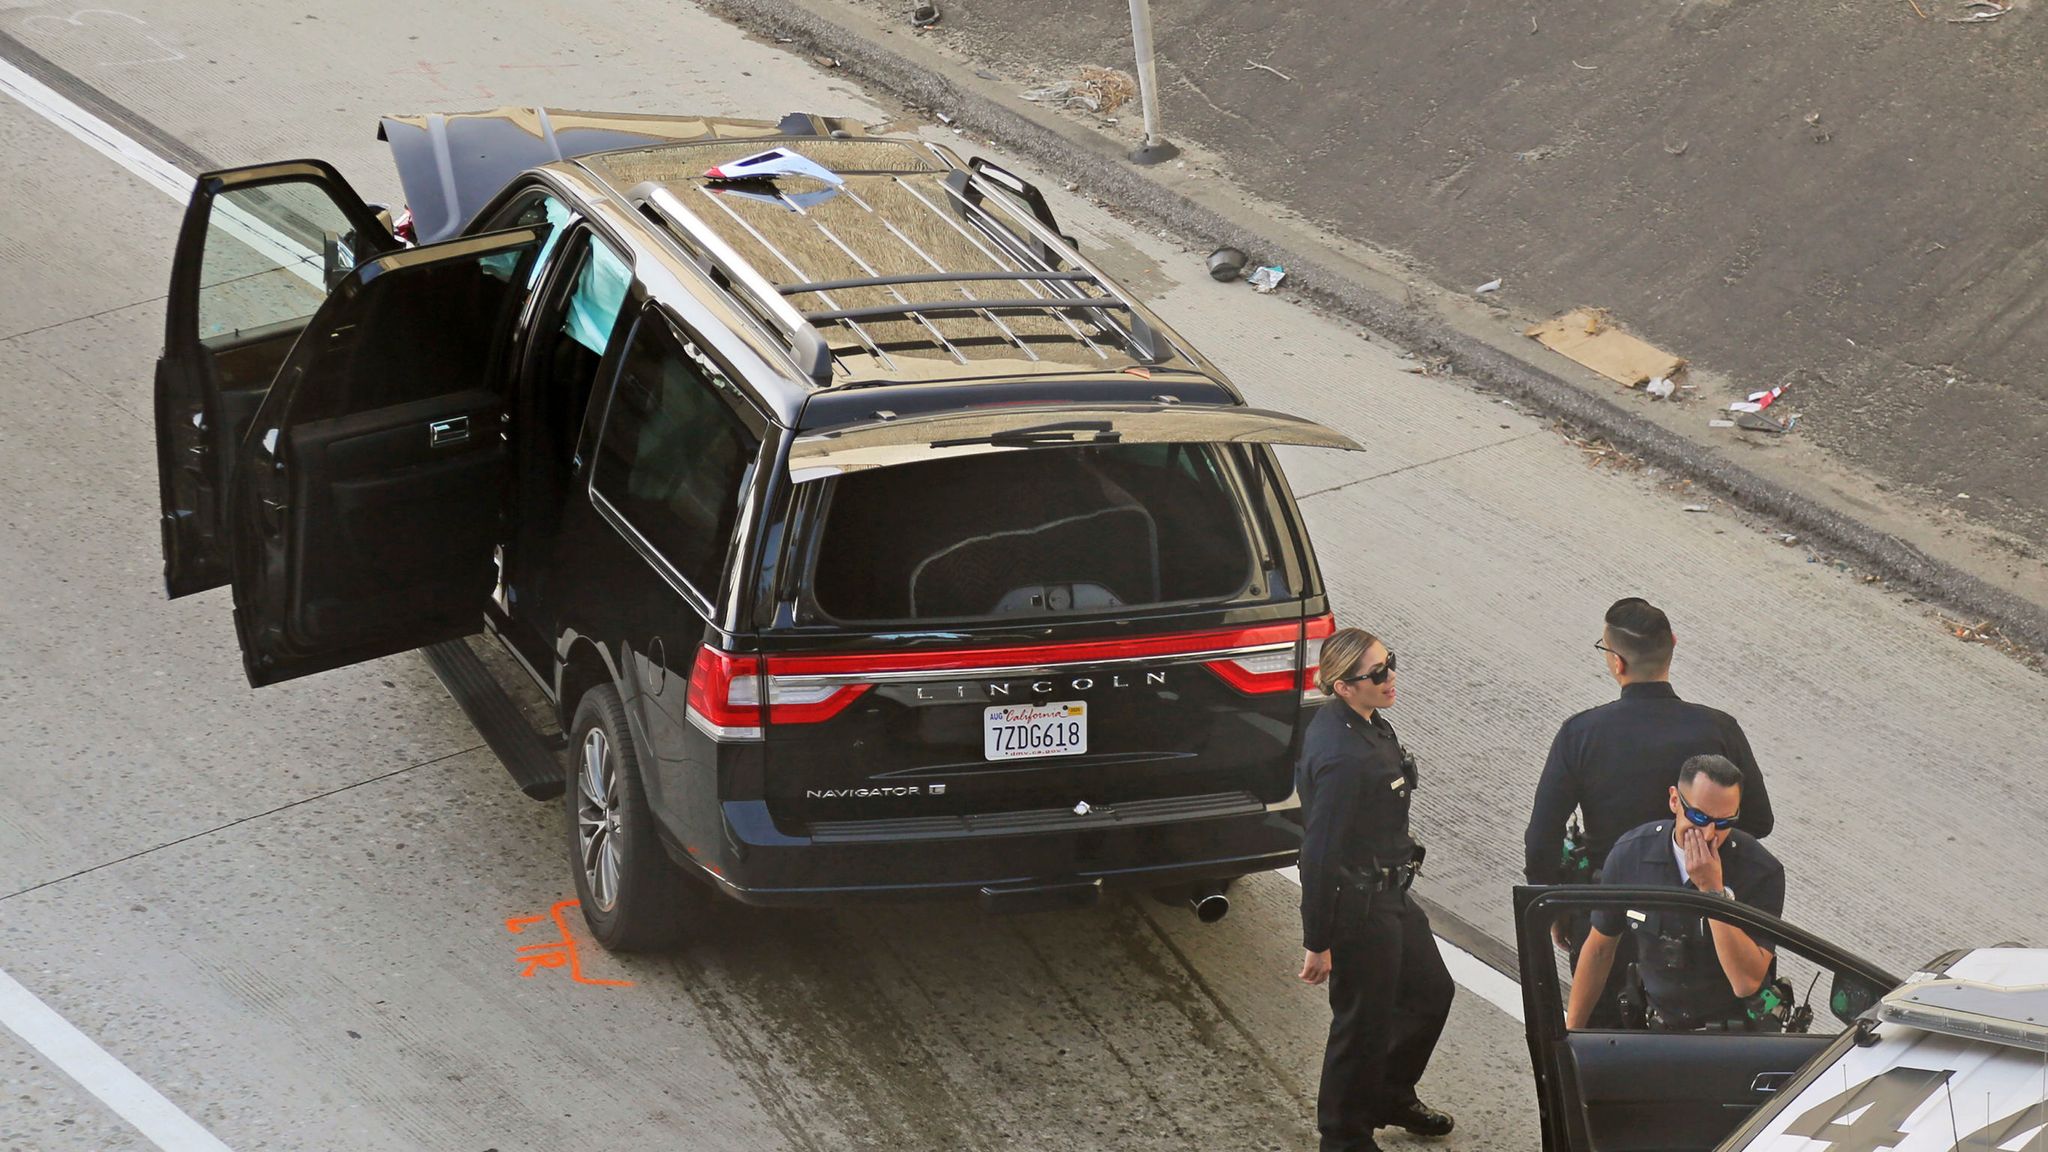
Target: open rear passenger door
{"points": [[259, 250], [1634, 1090], [367, 498]]}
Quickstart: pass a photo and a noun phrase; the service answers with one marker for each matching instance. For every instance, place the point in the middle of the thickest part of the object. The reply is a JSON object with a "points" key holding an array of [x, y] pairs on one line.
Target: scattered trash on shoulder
{"points": [[924, 15], [1758, 401], [1980, 11], [1720, 423], [1098, 90], [1661, 388], [1492, 285], [1227, 264], [1588, 337], [1697, 508], [1267, 277], [1758, 422]]}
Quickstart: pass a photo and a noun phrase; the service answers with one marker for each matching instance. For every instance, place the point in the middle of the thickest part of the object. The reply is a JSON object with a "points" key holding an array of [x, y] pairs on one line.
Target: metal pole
{"points": [[1154, 149]]}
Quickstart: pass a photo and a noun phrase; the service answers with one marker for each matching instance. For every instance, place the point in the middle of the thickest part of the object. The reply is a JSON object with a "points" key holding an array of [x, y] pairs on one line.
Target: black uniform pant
{"points": [[1389, 997]]}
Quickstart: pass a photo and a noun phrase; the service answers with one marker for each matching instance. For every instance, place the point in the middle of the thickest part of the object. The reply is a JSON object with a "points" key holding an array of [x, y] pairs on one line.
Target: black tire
{"points": [[636, 903]]}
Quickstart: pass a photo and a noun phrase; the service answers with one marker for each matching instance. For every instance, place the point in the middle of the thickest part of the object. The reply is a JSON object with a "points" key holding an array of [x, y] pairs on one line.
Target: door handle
{"points": [[1770, 1081], [453, 430]]}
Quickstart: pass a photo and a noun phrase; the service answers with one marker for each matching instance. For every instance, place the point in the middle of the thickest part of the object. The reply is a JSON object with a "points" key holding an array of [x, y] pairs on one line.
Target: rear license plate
{"points": [[1020, 731]]}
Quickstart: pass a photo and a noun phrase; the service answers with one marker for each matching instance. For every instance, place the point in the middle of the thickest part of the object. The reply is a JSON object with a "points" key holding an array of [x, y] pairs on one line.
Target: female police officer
{"points": [[1389, 992]]}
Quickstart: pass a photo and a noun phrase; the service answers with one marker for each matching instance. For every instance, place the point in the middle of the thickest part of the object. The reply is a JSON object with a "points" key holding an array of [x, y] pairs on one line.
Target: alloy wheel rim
{"points": [[597, 820]]}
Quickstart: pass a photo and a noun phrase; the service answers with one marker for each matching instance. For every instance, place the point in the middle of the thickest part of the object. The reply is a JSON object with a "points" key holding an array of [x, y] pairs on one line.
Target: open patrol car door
{"points": [[1630, 1089], [259, 250], [367, 497]]}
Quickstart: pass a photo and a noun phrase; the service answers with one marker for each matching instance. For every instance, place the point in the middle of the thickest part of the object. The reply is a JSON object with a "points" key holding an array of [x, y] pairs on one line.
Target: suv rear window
{"points": [[1046, 532]]}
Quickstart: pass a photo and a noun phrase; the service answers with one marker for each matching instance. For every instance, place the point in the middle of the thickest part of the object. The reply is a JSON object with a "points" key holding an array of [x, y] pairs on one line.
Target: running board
{"points": [[522, 750]]}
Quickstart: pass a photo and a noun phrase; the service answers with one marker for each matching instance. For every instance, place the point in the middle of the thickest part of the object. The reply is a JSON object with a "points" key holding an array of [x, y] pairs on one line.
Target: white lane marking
{"points": [[99, 135], [1472, 974], [38, 1025], [99, 1073], [156, 171]]}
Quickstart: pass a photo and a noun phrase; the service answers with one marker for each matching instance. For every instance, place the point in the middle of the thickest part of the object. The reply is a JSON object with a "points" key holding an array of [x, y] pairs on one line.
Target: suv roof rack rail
{"points": [[927, 307], [929, 278], [969, 188], [807, 346], [1027, 240]]}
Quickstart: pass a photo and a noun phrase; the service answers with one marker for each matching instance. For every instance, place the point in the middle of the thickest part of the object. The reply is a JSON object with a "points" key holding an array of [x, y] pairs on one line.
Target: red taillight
{"points": [[1273, 670], [725, 696], [1319, 629]]}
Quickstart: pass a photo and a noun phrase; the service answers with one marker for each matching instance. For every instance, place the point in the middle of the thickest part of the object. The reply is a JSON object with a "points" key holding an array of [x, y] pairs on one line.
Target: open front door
{"points": [[258, 251], [1628, 1088], [367, 497]]}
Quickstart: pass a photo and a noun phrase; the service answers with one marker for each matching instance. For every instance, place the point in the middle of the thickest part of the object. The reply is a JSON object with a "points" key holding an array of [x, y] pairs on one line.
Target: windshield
{"points": [[1051, 532]]}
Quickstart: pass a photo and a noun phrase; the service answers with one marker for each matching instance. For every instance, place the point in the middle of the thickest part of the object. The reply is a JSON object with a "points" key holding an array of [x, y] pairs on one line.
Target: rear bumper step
{"points": [[523, 751], [1038, 821], [1041, 897]]}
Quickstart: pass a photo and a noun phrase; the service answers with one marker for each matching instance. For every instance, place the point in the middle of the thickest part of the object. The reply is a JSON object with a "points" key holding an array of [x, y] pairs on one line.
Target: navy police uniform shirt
{"points": [[1647, 858], [1355, 783], [1616, 764]]}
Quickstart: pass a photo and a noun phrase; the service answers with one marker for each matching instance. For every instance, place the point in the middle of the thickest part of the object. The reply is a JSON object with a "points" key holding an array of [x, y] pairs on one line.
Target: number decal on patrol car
{"points": [[1881, 1106]]}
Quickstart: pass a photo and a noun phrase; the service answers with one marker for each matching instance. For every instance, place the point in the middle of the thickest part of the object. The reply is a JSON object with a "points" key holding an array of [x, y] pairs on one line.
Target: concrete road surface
{"points": [[287, 912]]}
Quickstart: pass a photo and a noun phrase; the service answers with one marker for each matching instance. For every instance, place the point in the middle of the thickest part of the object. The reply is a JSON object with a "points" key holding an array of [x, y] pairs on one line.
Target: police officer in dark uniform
{"points": [[1389, 991], [1614, 764], [1696, 972]]}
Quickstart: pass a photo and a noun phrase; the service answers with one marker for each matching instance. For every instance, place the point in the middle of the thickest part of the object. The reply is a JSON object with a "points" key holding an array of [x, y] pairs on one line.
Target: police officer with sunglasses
{"points": [[1361, 932], [1696, 972]]}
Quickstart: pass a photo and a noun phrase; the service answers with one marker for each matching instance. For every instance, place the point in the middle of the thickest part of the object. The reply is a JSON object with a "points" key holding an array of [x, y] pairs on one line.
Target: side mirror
{"points": [[337, 257], [1851, 996]]}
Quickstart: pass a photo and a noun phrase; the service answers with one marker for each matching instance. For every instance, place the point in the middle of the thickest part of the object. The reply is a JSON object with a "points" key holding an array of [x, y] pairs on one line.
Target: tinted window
{"points": [[673, 457], [1040, 533], [434, 324]]}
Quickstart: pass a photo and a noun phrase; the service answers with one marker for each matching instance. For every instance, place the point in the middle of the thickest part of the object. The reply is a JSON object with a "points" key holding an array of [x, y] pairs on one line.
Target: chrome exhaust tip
{"points": [[1209, 906]]}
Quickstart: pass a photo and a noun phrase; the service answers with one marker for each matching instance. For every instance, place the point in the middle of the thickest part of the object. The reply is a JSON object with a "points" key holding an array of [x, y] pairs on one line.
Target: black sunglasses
{"points": [[1701, 819], [1377, 675]]}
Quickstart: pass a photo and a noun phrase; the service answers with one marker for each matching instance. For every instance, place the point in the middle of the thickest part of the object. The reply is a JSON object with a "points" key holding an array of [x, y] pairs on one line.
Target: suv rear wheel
{"points": [[631, 891]]}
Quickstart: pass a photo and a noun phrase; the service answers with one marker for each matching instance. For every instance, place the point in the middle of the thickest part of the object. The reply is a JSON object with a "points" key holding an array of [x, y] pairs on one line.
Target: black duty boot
{"points": [[1420, 1119]]}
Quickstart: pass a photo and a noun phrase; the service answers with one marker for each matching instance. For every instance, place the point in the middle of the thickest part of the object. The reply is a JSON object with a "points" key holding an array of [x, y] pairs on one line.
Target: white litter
{"points": [[1661, 388], [1492, 285], [1267, 277]]}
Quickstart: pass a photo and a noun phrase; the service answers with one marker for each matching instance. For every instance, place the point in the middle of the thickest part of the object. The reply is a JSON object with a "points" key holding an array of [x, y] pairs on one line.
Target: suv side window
{"points": [[672, 460], [536, 209]]}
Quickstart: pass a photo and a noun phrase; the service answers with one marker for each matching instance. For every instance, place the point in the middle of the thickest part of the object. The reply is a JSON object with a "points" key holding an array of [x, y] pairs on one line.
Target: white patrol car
{"points": [[1953, 1058]]}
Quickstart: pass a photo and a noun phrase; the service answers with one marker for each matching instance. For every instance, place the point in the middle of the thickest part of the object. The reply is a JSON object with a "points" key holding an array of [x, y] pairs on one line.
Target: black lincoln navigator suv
{"points": [[867, 540]]}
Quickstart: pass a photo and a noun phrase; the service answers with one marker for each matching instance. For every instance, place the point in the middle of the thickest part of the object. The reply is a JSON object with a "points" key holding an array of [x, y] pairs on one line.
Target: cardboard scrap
{"points": [[1585, 335]]}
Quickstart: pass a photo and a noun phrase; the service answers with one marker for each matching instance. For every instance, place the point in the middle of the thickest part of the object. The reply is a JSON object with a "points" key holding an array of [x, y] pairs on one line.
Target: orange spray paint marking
{"points": [[554, 953]]}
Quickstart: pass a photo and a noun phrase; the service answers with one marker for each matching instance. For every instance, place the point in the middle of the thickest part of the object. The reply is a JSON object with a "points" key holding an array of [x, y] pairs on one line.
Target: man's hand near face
{"points": [[1702, 859], [1743, 960]]}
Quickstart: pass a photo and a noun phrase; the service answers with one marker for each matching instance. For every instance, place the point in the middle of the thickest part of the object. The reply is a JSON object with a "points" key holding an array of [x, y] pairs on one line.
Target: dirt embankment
{"points": [[1847, 197]]}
